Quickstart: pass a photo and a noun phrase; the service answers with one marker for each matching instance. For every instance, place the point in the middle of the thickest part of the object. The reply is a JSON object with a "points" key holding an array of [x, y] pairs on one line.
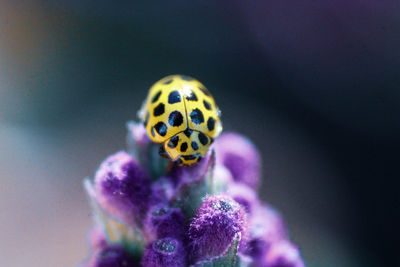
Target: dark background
{"points": [[315, 85]]}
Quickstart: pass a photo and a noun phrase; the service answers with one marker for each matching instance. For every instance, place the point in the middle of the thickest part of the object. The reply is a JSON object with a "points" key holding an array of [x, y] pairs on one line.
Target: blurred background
{"points": [[315, 85]]}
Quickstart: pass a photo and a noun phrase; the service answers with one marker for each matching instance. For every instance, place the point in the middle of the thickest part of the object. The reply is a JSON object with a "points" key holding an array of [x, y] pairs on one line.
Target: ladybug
{"points": [[180, 113]]}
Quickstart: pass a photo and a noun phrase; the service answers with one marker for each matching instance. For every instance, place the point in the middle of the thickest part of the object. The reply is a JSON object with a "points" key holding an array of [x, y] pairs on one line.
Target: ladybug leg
{"points": [[163, 153], [179, 161], [169, 165]]}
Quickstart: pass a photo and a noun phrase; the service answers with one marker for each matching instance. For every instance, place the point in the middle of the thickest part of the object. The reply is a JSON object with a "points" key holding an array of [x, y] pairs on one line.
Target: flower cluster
{"points": [[151, 212]]}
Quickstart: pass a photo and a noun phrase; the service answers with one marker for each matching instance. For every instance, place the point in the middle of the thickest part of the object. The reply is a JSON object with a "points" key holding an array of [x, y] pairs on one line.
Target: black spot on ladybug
{"points": [[161, 128], [204, 90], [207, 105], [195, 146], [197, 116], [203, 139], [188, 132], [186, 78], [199, 158], [173, 142], [184, 147], [189, 157], [174, 97], [146, 119], [152, 132], [191, 97], [211, 123], [168, 81], [159, 110], [175, 118], [156, 97]]}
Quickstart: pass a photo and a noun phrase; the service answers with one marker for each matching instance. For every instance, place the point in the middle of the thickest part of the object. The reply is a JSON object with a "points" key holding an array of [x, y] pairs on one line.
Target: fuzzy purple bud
{"points": [[283, 254], [163, 221], [267, 227], [114, 256], [162, 190], [218, 220], [243, 195], [240, 156], [190, 174], [164, 252], [122, 187]]}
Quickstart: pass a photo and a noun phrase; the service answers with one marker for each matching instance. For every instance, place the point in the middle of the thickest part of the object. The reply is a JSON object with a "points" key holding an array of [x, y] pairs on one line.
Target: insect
{"points": [[180, 113]]}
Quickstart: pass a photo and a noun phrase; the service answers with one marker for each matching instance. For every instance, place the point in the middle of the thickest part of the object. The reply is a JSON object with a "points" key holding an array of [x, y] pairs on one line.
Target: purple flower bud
{"points": [[243, 195], [164, 252], [267, 227], [122, 187], [162, 190], [190, 174], [214, 227], [222, 178], [240, 156], [163, 221], [283, 254], [97, 238], [114, 256]]}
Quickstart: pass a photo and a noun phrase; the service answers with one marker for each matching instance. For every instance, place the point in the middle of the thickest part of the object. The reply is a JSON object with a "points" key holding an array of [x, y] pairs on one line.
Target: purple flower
{"points": [[267, 227], [222, 178], [150, 212], [243, 195], [164, 221], [164, 252], [214, 227], [283, 254], [122, 187], [162, 190], [113, 256], [240, 156], [190, 174]]}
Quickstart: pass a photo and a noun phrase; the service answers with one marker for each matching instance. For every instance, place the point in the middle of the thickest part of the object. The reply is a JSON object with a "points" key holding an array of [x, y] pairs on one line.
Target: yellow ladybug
{"points": [[180, 113]]}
